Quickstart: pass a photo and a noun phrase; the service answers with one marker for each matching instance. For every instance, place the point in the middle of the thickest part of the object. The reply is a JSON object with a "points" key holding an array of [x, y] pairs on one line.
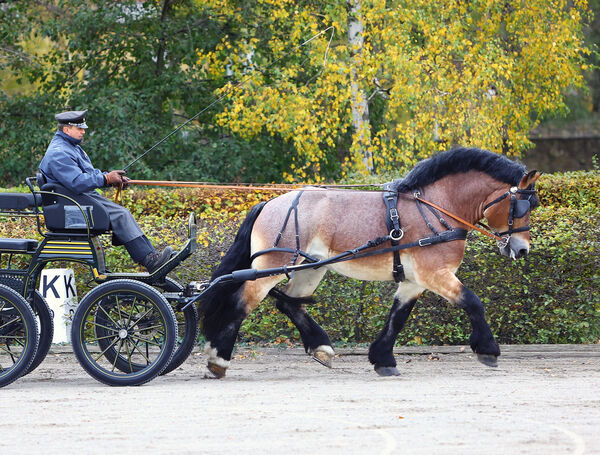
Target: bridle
{"points": [[518, 209]]}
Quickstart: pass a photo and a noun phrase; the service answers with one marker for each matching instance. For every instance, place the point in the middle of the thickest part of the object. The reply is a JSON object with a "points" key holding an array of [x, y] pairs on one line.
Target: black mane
{"points": [[460, 160]]}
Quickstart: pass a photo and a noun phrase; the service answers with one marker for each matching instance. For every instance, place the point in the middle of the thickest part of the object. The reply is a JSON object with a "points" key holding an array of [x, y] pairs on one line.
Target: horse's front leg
{"points": [[482, 340], [381, 353], [445, 284]]}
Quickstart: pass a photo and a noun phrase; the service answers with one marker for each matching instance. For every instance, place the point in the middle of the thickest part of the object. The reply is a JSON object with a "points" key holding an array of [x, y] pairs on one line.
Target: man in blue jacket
{"points": [[67, 164]]}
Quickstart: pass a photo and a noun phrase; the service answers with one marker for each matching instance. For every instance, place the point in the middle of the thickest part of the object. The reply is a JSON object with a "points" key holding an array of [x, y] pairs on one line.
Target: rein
{"points": [[459, 219], [376, 187], [240, 186]]}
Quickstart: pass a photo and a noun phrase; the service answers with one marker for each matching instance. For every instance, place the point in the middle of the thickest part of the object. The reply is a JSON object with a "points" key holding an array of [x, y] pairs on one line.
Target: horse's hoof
{"points": [[322, 358], [387, 371], [323, 355], [488, 359], [214, 371]]}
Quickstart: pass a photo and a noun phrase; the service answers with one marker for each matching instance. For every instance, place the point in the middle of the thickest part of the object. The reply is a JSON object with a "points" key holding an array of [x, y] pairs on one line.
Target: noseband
{"points": [[518, 209]]}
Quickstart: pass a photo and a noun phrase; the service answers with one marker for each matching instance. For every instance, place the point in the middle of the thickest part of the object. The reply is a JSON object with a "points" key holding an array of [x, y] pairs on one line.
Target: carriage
{"points": [[132, 327]]}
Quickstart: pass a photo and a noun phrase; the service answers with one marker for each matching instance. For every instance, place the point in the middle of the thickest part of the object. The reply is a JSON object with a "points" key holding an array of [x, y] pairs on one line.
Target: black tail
{"points": [[219, 307]]}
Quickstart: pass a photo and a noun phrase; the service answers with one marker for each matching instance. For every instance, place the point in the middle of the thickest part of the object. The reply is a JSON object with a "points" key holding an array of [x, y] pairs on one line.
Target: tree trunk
{"points": [[160, 53], [360, 105]]}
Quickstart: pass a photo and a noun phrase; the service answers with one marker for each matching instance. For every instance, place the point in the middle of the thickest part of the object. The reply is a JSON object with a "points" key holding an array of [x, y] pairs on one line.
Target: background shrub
{"points": [[552, 296]]}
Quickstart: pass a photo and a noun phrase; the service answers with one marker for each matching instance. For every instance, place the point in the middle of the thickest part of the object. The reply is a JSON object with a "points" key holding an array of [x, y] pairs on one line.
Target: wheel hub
{"points": [[123, 334]]}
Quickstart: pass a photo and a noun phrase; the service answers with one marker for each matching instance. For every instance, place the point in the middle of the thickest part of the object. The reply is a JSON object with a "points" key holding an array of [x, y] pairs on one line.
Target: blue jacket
{"points": [[66, 163]]}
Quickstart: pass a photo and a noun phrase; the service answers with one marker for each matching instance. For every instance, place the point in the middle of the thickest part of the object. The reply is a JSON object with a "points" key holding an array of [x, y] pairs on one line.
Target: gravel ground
{"points": [[542, 399]]}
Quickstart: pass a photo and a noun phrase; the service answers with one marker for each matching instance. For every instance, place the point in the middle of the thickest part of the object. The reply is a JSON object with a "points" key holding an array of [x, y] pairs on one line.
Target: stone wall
{"points": [[559, 154]]}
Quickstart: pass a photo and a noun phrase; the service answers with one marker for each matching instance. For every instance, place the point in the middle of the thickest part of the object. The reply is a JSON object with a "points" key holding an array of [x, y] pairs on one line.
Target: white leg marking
{"points": [[214, 358], [407, 292]]}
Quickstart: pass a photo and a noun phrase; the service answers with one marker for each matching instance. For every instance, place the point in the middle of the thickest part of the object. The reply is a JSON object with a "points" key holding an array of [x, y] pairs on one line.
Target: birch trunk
{"points": [[360, 106]]}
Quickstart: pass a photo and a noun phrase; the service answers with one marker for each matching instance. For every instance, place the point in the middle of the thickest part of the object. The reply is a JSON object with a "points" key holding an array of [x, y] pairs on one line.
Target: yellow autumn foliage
{"points": [[480, 73]]}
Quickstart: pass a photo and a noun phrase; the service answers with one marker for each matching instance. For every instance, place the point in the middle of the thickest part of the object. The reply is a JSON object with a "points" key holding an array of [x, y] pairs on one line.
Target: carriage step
{"points": [[18, 245]]}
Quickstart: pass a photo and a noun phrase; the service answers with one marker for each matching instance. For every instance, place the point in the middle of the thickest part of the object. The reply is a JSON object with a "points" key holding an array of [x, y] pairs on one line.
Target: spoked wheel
{"points": [[187, 334], [18, 335], [45, 321], [187, 327], [124, 333]]}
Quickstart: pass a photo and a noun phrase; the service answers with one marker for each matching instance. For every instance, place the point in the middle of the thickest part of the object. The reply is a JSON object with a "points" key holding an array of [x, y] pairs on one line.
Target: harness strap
{"points": [[293, 208], [392, 220], [446, 236], [304, 254], [357, 253], [460, 220]]}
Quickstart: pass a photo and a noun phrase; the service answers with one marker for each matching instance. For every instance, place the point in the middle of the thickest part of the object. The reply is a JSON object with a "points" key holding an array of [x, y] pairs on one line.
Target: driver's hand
{"points": [[114, 178]]}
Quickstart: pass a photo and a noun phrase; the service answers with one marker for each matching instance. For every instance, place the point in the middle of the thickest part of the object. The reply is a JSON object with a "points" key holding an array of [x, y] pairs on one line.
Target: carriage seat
{"points": [[62, 215], [18, 245]]}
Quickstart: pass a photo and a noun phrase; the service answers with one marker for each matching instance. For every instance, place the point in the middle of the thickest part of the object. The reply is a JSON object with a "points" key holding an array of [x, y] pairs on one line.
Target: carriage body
{"points": [[70, 228]]}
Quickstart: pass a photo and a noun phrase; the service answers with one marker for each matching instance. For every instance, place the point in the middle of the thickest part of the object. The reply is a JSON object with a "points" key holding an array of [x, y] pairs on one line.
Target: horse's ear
{"points": [[529, 179]]}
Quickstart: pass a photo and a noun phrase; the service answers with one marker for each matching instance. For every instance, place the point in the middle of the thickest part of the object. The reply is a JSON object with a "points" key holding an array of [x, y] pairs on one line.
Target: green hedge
{"points": [[552, 296]]}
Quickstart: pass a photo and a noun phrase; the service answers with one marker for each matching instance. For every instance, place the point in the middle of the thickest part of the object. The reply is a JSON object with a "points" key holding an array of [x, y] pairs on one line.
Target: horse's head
{"points": [[508, 215]]}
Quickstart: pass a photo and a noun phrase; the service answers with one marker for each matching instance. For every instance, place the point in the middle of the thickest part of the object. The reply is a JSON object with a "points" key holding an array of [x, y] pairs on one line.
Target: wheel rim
{"points": [[123, 333], [187, 327], [13, 337]]}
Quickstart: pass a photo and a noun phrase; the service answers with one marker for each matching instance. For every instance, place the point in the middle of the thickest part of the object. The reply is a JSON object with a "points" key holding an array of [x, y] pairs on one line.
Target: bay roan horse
{"points": [[471, 184]]}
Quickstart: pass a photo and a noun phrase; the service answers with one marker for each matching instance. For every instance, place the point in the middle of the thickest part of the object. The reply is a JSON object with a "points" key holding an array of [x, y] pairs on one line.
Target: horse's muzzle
{"points": [[516, 248]]}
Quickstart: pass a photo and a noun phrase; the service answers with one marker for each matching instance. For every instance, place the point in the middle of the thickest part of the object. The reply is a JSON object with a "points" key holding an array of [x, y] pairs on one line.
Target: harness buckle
{"points": [[504, 242], [424, 242], [394, 214], [400, 234]]}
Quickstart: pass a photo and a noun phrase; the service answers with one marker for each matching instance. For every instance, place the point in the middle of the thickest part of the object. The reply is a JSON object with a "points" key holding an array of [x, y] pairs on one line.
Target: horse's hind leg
{"points": [[222, 328], [314, 338], [381, 353]]}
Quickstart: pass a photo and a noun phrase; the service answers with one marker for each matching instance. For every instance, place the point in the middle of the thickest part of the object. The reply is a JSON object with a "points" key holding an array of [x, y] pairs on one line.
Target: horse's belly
{"points": [[354, 269], [372, 268]]}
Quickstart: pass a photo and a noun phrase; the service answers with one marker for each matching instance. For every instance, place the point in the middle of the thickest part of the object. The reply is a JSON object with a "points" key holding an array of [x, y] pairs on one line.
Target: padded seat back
{"points": [[62, 215]]}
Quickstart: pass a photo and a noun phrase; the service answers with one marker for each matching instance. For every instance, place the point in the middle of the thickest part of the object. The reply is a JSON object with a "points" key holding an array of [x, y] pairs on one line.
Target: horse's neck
{"points": [[464, 194]]}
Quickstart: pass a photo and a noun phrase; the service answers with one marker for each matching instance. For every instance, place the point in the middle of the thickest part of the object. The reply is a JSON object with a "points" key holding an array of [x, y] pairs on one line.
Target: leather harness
{"points": [[390, 199], [392, 220]]}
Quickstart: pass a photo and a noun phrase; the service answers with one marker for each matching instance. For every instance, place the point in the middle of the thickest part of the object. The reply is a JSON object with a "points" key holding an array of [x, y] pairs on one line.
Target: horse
{"points": [[468, 184]]}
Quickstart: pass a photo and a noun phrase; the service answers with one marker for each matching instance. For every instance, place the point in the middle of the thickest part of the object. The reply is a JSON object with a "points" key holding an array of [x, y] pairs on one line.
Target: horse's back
{"points": [[338, 219]]}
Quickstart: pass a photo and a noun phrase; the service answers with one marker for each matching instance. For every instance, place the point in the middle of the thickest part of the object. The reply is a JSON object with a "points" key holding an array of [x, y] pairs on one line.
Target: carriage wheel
{"points": [[187, 327], [45, 320], [187, 331], [124, 322], [18, 335]]}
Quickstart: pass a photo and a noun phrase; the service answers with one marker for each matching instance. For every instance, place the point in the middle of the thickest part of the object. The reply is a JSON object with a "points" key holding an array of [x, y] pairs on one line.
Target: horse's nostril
{"points": [[522, 252]]}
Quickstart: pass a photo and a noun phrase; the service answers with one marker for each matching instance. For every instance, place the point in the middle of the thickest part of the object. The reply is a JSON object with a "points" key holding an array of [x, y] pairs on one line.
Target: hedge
{"points": [[552, 296]]}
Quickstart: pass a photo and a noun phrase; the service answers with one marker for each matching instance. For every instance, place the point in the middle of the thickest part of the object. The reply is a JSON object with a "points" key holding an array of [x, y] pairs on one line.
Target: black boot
{"points": [[155, 261]]}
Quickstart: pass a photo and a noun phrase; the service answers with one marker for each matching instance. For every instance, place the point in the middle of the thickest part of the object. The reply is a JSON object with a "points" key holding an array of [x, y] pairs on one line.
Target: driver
{"points": [[67, 164]]}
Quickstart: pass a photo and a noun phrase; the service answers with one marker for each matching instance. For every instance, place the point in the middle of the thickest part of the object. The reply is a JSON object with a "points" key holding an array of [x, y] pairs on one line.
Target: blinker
{"points": [[521, 208]]}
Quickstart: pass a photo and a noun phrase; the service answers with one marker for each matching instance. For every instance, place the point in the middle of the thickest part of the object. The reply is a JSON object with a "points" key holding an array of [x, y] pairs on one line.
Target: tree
{"points": [[398, 81], [134, 65], [437, 74]]}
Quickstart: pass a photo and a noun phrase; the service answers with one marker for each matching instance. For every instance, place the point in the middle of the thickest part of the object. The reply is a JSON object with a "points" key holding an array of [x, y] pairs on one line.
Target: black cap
{"points": [[73, 118]]}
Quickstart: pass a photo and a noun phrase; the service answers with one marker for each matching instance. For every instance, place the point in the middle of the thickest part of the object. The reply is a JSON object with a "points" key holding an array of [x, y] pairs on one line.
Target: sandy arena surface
{"points": [[540, 400]]}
